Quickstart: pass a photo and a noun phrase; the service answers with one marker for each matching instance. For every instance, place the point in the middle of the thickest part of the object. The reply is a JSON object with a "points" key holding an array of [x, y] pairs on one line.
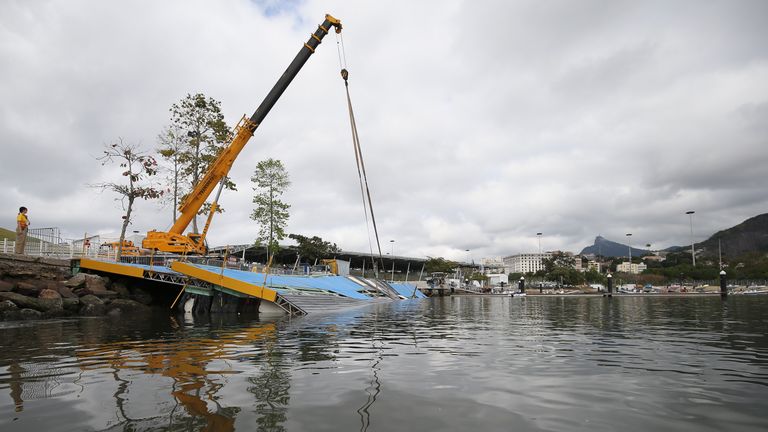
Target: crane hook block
{"points": [[344, 74]]}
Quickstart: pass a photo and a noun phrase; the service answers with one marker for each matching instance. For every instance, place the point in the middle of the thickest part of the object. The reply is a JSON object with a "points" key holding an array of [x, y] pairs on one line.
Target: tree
{"points": [[171, 146], [198, 121], [561, 267], [314, 247], [439, 265], [138, 168], [271, 180]]}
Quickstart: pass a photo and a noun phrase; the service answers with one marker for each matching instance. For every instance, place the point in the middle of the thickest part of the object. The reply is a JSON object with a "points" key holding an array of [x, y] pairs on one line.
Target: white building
{"points": [[492, 265], [497, 279], [525, 262], [631, 268]]}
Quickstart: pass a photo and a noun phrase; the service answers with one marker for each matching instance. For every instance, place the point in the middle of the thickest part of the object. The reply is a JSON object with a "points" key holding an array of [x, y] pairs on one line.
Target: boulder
{"points": [[90, 299], [7, 305], [92, 309], [49, 294], [25, 302], [121, 289], [30, 314], [127, 306], [76, 281], [65, 292], [7, 286], [141, 296], [28, 289], [10, 315], [52, 302], [70, 304], [95, 283], [104, 295]]}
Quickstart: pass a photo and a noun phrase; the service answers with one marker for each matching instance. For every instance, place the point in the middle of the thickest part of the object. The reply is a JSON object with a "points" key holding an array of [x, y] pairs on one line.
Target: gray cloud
{"points": [[482, 123]]}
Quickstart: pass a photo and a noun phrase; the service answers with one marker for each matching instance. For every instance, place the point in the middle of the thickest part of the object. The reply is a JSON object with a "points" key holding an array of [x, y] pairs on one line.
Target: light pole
{"points": [[539, 236], [392, 242], [467, 251], [629, 240], [693, 251]]}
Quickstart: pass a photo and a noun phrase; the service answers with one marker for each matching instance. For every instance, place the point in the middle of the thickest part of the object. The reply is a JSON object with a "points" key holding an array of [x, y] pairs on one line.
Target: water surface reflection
{"points": [[447, 363]]}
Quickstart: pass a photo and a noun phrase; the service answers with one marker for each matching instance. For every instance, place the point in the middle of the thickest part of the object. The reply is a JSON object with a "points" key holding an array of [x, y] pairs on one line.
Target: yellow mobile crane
{"points": [[174, 240]]}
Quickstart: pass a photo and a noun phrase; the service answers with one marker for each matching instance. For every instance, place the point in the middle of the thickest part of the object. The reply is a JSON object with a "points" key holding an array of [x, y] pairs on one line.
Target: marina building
{"points": [[525, 262], [631, 268]]}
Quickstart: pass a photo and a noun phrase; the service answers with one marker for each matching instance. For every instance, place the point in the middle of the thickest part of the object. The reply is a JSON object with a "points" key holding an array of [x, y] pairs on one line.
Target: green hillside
{"points": [[10, 235]]}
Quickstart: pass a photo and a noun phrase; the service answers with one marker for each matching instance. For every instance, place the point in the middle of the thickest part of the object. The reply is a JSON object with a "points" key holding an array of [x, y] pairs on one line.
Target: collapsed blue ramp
{"points": [[407, 290], [285, 284]]}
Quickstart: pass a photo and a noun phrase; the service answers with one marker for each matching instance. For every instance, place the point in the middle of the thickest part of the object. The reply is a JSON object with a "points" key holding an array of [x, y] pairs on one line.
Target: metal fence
{"points": [[47, 242]]}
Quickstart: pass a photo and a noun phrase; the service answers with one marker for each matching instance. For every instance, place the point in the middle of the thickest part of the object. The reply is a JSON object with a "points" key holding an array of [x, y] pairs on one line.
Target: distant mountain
{"points": [[607, 248], [748, 236]]}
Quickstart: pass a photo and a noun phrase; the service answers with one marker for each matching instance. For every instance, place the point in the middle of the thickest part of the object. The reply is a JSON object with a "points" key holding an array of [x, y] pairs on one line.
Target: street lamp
{"points": [[393, 247], [629, 240], [693, 251], [539, 236], [467, 251]]}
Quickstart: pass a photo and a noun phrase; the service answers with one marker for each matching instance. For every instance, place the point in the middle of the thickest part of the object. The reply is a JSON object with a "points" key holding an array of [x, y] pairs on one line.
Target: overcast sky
{"points": [[481, 122]]}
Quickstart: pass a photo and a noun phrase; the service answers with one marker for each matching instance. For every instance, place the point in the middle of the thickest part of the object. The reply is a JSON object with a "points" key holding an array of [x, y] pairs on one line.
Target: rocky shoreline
{"points": [[36, 288]]}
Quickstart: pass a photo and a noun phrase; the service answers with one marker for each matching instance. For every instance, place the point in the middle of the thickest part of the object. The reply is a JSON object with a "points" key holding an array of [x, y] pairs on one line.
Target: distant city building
{"points": [[656, 258], [525, 262], [492, 265], [593, 265], [631, 268], [495, 279]]}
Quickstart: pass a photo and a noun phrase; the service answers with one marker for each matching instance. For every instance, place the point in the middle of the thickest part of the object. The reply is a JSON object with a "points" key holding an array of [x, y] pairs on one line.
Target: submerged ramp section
{"points": [[407, 290], [295, 294]]}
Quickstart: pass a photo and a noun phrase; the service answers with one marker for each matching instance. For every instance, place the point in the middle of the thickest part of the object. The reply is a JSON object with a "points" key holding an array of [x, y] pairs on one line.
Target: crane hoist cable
{"points": [[365, 191], [363, 177]]}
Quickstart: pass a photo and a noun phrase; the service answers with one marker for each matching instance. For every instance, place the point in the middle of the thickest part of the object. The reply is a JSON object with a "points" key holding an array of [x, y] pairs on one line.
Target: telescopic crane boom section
{"points": [[174, 240]]}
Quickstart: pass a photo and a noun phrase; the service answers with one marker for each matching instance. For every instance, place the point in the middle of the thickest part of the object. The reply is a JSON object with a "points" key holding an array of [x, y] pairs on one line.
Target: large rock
{"points": [[95, 283], [141, 296], [52, 302], [25, 302], [65, 292], [127, 306], [87, 281], [30, 314], [92, 306], [71, 304], [76, 281], [7, 286], [28, 289], [49, 294], [121, 289], [7, 305], [30, 267], [104, 295], [90, 299], [93, 309]]}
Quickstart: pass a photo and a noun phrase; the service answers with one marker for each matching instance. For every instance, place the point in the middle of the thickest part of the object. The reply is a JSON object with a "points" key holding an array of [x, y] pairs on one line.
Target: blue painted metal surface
{"points": [[406, 290], [336, 284]]}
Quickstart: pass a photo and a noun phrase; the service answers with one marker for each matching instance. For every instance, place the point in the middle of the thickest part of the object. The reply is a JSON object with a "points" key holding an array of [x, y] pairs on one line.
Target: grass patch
{"points": [[7, 234]]}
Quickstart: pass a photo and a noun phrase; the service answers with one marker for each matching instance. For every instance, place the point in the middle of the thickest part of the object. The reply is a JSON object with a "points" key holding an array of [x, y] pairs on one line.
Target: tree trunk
{"points": [[125, 226]]}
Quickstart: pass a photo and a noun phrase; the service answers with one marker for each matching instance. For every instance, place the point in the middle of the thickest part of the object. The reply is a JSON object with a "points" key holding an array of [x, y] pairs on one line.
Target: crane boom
{"points": [[174, 240]]}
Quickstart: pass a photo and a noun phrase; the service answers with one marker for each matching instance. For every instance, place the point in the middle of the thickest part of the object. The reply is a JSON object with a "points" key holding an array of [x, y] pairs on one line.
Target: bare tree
{"points": [[172, 143], [137, 167]]}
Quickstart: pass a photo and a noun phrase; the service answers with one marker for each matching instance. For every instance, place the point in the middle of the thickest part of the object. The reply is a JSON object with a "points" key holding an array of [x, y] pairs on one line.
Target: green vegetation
{"points": [[442, 265], [7, 234], [312, 248], [270, 213], [678, 266]]}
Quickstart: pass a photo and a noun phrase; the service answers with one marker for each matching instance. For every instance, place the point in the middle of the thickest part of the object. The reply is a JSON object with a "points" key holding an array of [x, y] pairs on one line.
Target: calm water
{"points": [[449, 364]]}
